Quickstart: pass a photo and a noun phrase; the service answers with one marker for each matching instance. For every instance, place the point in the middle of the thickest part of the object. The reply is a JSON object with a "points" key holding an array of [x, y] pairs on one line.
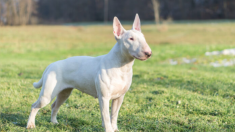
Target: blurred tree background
{"points": [[22, 12]]}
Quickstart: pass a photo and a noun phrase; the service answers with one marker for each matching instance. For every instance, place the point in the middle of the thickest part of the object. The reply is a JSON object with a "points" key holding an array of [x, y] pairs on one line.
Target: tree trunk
{"points": [[106, 3], [22, 12], [29, 10], [14, 16], [16, 12], [156, 6], [225, 9], [1, 15], [8, 14]]}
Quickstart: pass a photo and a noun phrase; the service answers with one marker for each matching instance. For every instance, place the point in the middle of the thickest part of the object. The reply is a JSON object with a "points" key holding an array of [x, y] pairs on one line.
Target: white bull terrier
{"points": [[107, 77]]}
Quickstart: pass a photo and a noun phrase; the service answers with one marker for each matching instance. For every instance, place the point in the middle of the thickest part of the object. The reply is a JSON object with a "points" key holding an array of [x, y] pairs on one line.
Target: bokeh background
{"points": [[22, 12], [186, 85]]}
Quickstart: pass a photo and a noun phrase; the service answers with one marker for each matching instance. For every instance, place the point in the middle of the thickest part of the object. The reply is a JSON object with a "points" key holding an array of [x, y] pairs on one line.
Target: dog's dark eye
{"points": [[131, 39]]}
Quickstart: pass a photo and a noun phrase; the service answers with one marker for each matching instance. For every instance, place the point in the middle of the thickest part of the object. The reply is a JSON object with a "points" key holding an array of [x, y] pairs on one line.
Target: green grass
{"points": [[162, 97]]}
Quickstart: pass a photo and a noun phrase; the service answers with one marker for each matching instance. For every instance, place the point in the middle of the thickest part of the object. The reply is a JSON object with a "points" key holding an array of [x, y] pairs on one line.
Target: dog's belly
{"points": [[86, 86]]}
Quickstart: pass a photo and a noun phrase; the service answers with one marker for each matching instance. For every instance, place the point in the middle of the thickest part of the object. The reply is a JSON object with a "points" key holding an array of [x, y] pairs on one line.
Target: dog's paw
{"points": [[30, 125], [115, 128], [55, 122], [109, 130]]}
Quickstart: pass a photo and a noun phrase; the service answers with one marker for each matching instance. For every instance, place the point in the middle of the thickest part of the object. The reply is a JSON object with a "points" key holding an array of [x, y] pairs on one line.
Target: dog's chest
{"points": [[120, 84]]}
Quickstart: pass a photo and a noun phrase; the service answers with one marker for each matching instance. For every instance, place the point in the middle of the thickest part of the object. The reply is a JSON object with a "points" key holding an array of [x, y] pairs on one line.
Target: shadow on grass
{"points": [[68, 122], [43, 122], [202, 86], [133, 122], [152, 124], [16, 119], [78, 124]]}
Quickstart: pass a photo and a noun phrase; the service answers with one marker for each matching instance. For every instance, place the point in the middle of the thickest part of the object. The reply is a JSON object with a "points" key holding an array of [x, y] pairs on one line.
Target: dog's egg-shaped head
{"points": [[133, 41]]}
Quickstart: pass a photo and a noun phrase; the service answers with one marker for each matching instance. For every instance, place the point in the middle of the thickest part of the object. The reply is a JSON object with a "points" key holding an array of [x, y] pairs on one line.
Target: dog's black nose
{"points": [[148, 54]]}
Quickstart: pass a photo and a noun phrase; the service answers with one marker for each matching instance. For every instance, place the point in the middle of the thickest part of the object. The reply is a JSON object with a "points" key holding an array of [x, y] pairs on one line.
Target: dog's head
{"points": [[133, 41]]}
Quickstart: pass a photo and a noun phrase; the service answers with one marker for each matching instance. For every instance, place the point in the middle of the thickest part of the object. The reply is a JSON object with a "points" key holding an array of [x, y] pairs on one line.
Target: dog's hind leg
{"points": [[60, 99], [50, 90], [41, 102]]}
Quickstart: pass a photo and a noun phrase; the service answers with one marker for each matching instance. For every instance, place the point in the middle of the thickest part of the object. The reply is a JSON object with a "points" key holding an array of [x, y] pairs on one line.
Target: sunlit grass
{"points": [[163, 97]]}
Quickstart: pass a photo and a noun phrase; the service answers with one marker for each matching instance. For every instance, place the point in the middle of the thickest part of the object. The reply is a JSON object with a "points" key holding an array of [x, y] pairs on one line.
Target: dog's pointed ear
{"points": [[118, 30], [136, 24]]}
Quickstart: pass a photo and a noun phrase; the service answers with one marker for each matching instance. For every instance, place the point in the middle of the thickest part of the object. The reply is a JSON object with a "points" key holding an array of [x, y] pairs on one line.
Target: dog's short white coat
{"points": [[107, 77]]}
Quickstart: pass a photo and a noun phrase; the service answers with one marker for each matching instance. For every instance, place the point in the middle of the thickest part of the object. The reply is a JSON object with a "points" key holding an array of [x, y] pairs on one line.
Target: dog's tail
{"points": [[40, 82]]}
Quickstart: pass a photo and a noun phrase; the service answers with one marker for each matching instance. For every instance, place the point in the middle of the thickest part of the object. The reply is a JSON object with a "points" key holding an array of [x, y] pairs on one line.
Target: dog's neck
{"points": [[120, 58]]}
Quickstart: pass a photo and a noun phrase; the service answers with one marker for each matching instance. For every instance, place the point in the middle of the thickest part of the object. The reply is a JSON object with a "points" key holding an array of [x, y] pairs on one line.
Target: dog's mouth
{"points": [[140, 58]]}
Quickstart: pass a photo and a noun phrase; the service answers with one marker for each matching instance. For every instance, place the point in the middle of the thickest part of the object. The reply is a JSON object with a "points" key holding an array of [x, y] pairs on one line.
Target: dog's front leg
{"points": [[116, 104], [104, 109]]}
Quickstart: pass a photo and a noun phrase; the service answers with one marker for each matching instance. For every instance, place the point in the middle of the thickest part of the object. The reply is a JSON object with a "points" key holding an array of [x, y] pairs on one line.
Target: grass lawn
{"points": [[162, 97]]}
